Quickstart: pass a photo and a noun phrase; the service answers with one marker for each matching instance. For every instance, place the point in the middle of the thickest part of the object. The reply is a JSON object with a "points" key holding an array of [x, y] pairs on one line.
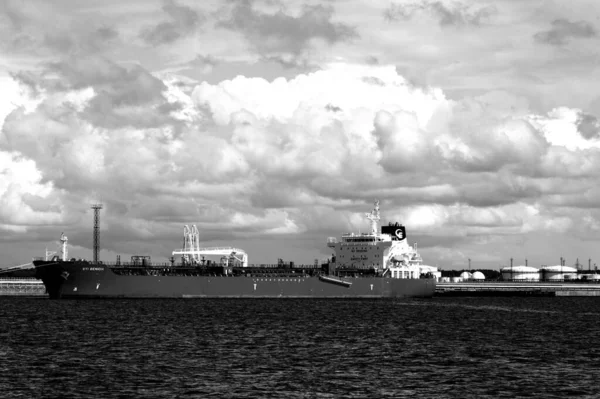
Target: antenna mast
{"points": [[63, 241], [96, 208], [374, 217]]}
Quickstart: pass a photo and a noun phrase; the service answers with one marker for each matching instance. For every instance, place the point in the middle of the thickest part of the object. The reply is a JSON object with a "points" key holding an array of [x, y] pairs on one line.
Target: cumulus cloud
{"points": [[280, 32], [183, 21], [298, 156], [399, 128], [563, 30], [453, 13], [568, 127], [25, 199]]}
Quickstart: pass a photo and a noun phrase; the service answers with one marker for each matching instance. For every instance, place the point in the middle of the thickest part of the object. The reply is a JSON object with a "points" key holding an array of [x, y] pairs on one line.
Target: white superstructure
{"points": [[64, 249], [387, 252]]}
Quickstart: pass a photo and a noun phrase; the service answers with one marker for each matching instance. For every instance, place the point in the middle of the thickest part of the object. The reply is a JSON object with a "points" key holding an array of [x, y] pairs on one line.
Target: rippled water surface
{"points": [[292, 348]]}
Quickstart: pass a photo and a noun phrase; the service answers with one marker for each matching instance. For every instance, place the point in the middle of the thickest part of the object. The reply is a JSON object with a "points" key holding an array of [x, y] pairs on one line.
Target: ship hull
{"points": [[74, 279]]}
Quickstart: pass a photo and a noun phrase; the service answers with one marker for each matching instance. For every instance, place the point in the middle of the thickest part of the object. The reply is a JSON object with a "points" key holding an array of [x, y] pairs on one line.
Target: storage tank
{"points": [[478, 276], [590, 277], [466, 276], [445, 279], [520, 273], [558, 272], [423, 269]]}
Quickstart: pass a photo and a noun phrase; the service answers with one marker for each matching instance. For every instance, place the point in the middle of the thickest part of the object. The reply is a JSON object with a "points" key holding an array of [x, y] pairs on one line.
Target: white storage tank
{"points": [[423, 269], [478, 276], [445, 279], [457, 279], [520, 273], [465, 276], [558, 272], [593, 277]]}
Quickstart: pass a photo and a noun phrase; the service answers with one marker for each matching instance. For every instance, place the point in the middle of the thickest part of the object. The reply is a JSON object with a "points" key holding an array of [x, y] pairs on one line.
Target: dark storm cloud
{"points": [[28, 79], [105, 111], [332, 108], [372, 60], [87, 42], [203, 61], [492, 190], [372, 80], [588, 126], [562, 30], [293, 62], [124, 96], [32, 27], [283, 32], [13, 14], [458, 15], [132, 86], [183, 21]]}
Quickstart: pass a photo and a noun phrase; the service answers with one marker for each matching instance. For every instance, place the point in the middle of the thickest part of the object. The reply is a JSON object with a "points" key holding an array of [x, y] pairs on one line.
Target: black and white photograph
{"points": [[299, 199]]}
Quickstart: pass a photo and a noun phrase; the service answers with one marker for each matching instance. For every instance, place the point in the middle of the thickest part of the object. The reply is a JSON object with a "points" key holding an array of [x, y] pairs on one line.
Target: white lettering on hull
{"points": [[371, 287], [254, 287]]}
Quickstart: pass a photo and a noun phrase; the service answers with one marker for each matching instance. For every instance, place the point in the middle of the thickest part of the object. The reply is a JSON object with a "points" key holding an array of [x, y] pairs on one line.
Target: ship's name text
{"points": [[93, 269]]}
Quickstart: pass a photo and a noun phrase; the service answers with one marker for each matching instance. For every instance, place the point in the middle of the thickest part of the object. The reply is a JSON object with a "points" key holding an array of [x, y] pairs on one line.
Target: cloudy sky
{"points": [[272, 125]]}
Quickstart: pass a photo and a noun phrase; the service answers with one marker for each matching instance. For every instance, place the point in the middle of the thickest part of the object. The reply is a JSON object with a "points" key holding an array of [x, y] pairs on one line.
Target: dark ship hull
{"points": [[82, 279]]}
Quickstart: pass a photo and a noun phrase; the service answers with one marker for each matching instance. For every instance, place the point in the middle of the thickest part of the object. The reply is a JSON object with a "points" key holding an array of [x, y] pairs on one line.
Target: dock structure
{"points": [[505, 288], [16, 286]]}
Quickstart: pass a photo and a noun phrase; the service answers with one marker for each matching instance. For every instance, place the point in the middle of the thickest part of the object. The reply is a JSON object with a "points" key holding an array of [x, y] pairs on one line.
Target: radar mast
{"points": [[374, 217]]}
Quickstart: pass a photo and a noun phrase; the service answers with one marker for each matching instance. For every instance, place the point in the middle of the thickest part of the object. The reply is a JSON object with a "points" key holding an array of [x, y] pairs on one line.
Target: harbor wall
{"points": [[503, 288], [14, 286]]}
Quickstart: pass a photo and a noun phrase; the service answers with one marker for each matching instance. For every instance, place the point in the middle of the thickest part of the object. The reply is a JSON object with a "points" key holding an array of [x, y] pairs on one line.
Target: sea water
{"points": [[300, 348]]}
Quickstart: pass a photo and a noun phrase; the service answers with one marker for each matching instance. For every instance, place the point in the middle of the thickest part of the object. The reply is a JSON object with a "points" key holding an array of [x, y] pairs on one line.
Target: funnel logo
{"points": [[395, 231], [400, 233]]}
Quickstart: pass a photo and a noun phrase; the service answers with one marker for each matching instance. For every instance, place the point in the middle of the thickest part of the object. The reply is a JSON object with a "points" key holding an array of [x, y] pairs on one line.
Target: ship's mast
{"points": [[63, 241], [96, 208], [374, 217]]}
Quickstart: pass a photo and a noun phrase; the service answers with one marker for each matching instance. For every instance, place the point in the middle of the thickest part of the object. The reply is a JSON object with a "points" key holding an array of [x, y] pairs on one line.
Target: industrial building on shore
{"points": [[546, 273]]}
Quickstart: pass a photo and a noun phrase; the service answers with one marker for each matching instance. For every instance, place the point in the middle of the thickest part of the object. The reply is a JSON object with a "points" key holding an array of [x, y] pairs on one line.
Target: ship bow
{"points": [[52, 275]]}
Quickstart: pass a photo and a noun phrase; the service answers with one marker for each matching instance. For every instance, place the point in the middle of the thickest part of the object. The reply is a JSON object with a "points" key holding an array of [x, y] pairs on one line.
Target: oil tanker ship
{"points": [[377, 264]]}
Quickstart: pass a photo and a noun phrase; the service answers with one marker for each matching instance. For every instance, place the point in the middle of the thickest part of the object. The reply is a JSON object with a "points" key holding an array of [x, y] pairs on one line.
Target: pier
{"points": [[511, 288], [15, 286]]}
